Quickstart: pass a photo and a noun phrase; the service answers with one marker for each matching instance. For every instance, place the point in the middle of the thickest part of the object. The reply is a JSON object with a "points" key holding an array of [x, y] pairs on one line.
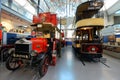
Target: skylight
{"points": [[117, 12], [26, 5], [109, 3], [30, 8], [21, 2]]}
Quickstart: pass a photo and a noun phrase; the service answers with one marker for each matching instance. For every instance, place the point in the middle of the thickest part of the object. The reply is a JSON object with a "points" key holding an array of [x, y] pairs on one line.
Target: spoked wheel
{"points": [[43, 68], [4, 54], [12, 64]]}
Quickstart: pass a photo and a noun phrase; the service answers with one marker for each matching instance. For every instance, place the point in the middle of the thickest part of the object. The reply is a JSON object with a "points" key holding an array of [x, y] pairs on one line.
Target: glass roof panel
{"points": [[26, 5], [30, 8], [64, 8], [43, 5], [21, 2], [108, 4]]}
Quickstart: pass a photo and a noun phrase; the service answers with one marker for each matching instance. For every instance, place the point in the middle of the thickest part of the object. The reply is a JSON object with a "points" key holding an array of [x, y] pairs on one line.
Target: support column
{"points": [[90, 35], [38, 7], [0, 11], [65, 32], [10, 3], [0, 33]]}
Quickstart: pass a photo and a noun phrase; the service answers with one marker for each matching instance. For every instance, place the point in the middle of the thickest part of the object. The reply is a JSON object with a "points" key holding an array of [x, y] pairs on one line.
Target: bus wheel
{"points": [[43, 67], [4, 54], [12, 64]]}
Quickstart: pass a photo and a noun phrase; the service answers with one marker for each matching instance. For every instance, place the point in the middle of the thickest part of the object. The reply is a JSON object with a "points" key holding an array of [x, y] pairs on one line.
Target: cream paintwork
{"points": [[90, 22]]}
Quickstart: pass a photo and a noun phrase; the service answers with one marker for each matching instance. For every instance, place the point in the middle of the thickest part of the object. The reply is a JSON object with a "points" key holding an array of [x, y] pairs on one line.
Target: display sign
{"points": [[111, 38], [63, 21], [95, 5]]}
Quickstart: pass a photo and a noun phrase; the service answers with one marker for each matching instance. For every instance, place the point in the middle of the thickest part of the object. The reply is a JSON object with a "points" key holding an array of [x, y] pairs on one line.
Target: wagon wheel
{"points": [[12, 63], [43, 67]]}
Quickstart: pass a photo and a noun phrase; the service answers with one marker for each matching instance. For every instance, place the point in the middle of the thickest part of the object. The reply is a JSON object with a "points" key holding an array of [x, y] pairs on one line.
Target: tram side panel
{"points": [[94, 50]]}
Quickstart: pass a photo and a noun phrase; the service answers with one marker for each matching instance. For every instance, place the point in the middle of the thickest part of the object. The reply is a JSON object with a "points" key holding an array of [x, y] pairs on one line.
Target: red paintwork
{"points": [[39, 44], [36, 19], [62, 34], [89, 49], [54, 59], [0, 34], [53, 19], [45, 17]]}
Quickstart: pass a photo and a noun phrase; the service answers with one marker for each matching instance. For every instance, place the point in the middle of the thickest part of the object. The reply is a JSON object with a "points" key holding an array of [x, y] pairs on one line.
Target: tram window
{"points": [[85, 37], [96, 37], [77, 37], [80, 38]]}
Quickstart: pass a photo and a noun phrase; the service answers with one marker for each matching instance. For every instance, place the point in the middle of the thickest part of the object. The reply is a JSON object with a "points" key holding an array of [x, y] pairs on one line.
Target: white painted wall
{"points": [[109, 16], [108, 20], [10, 21]]}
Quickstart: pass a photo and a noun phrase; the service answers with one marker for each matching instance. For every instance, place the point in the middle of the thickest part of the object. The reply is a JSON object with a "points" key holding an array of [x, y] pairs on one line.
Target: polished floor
{"points": [[69, 68]]}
